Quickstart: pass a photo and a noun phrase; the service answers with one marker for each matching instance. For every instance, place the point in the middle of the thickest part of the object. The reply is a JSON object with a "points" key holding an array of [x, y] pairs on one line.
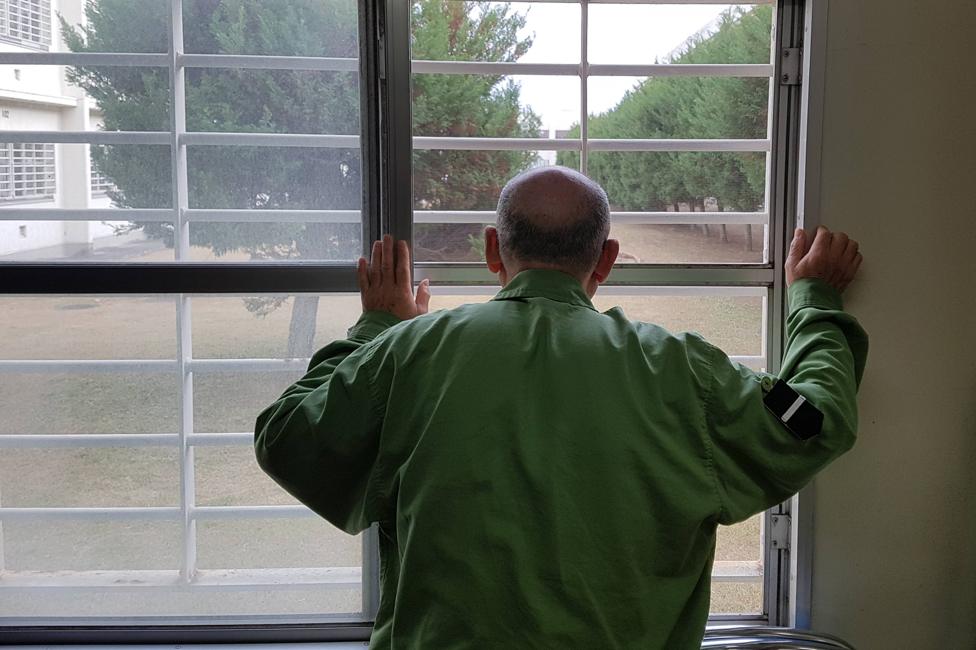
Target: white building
{"points": [[44, 175]]}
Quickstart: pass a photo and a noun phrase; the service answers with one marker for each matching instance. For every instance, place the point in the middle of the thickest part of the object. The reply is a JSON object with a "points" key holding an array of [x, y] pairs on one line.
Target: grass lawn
{"points": [[144, 327]]}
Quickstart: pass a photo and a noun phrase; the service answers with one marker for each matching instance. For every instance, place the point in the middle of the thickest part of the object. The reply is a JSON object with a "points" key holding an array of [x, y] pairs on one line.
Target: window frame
{"points": [[386, 143]]}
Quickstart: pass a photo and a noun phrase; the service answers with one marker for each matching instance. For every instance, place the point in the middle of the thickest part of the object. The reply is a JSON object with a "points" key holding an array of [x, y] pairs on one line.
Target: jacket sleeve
{"points": [[320, 439], [757, 461]]}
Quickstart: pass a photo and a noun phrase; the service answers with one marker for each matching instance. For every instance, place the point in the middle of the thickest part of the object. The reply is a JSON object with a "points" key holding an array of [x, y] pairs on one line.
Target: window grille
{"points": [[27, 22], [27, 171]]}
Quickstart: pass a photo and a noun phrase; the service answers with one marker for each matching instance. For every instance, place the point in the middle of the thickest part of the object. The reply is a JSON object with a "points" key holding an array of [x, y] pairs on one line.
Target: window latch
{"points": [[789, 66], [779, 532]]}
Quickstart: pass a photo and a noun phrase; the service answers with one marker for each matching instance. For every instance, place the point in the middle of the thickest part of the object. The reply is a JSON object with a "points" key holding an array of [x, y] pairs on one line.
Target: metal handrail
{"points": [[770, 638]]}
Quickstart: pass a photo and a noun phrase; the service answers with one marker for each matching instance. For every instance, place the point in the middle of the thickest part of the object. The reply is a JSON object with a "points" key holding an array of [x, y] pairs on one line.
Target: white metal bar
{"points": [[184, 351], [217, 439], [247, 365], [87, 365], [640, 218], [127, 59], [87, 137], [273, 216], [634, 144], [495, 68], [205, 579], [682, 70], [271, 140], [594, 69], [169, 513], [496, 144], [165, 513], [88, 440], [584, 85], [98, 440], [177, 112], [224, 513], [737, 571], [262, 62], [26, 213]]}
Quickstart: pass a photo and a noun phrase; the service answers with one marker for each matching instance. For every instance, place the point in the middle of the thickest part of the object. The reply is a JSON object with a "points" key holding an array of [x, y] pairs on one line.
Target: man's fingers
{"points": [[375, 259], [851, 251], [386, 268], [403, 265], [362, 272], [821, 242], [423, 296], [838, 246], [798, 247]]}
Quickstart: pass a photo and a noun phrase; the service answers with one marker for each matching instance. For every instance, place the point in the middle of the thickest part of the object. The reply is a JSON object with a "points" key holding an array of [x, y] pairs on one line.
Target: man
{"points": [[544, 475]]}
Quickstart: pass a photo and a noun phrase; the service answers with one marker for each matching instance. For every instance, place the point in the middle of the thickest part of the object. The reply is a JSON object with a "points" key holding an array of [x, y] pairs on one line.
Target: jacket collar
{"points": [[546, 283]]}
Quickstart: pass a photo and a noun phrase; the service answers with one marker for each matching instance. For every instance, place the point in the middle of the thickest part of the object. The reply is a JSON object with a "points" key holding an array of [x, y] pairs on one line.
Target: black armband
{"points": [[801, 417]]}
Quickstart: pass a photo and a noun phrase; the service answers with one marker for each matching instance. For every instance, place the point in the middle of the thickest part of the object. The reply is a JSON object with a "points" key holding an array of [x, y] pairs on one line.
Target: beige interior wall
{"points": [[895, 530]]}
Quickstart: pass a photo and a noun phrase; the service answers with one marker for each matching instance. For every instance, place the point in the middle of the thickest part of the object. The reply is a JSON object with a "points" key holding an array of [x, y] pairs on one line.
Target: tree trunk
{"points": [[749, 237], [301, 331]]}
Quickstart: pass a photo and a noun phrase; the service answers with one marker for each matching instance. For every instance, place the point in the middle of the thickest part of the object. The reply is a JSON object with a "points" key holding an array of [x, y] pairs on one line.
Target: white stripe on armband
{"points": [[793, 408]]}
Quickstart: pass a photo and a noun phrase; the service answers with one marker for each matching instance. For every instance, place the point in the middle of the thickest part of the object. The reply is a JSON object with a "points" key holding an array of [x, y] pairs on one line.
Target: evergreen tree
{"points": [[283, 101]]}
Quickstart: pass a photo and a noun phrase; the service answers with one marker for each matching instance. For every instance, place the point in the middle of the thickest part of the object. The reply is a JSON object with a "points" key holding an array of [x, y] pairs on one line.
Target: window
{"points": [[100, 183], [27, 171], [26, 22], [142, 332]]}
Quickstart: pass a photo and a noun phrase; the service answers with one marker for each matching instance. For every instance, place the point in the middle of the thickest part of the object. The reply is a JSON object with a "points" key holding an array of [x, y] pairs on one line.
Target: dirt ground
{"points": [[144, 327]]}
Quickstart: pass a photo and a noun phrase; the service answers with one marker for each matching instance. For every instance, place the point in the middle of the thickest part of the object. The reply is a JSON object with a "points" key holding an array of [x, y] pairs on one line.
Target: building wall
{"points": [[895, 520], [40, 98]]}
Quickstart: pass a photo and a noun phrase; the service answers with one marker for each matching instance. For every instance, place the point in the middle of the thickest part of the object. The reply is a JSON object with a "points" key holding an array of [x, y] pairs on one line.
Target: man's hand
{"points": [[832, 257], [385, 283]]}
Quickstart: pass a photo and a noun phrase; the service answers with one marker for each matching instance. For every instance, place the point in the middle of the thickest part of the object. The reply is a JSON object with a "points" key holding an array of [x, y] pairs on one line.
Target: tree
{"points": [[691, 107], [282, 101]]}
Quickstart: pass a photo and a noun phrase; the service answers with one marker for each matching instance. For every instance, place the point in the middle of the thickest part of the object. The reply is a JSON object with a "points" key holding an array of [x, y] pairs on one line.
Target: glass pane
{"points": [[110, 477], [324, 28], [275, 544], [140, 26], [661, 33], [450, 30], [230, 476], [76, 546], [510, 106], [107, 365], [260, 327], [272, 101], [678, 107], [736, 598], [689, 244]]}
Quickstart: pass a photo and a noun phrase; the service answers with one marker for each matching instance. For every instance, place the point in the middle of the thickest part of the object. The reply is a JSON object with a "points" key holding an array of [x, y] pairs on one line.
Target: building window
{"points": [[26, 22], [27, 172], [129, 495]]}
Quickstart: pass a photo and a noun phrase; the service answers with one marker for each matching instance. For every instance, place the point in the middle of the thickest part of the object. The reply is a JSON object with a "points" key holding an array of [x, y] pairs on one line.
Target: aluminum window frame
{"points": [[387, 145]]}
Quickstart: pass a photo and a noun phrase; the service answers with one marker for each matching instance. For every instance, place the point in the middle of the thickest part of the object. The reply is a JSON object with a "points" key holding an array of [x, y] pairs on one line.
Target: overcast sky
{"points": [[617, 34]]}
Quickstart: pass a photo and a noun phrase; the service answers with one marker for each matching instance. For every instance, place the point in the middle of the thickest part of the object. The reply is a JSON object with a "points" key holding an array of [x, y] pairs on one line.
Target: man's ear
{"points": [[493, 257], [611, 248]]}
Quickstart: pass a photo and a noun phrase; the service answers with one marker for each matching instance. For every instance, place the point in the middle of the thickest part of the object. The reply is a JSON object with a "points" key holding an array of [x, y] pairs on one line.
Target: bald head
{"points": [[555, 217]]}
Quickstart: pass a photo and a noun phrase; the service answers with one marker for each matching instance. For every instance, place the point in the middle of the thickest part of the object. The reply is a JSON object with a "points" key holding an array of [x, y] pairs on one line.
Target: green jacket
{"points": [[547, 476]]}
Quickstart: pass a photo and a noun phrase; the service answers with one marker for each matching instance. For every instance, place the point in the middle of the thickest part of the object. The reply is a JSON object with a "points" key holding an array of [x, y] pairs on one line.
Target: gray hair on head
{"points": [[553, 216]]}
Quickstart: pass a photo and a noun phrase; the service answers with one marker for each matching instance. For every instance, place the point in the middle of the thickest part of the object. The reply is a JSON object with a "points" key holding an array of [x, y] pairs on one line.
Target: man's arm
{"points": [[758, 461], [320, 439]]}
